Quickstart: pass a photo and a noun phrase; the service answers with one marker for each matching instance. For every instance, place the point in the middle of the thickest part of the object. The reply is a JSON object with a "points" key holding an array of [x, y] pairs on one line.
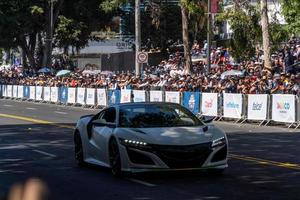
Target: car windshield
{"points": [[153, 115]]}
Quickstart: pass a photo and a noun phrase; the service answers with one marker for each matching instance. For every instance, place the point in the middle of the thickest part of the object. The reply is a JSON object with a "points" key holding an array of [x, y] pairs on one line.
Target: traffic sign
{"points": [[142, 57]]}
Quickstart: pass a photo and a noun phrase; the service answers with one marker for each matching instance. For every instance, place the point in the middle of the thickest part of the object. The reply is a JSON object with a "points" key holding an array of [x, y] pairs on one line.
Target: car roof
{"points": [[144, 104]]}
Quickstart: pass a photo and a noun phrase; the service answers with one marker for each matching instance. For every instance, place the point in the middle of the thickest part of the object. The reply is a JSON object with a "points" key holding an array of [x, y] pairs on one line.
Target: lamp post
{"points": [[208, 36], [137, 35]]}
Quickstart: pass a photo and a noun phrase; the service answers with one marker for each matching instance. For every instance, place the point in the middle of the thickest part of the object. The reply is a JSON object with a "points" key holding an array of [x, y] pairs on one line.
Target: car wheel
{"points": [[78, 150], [115, 158]]}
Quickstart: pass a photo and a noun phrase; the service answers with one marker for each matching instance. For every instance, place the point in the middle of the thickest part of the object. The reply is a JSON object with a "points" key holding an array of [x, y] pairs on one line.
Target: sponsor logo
{"points": [[192, 102], [283, 106], [113, 98], [257, 106], [209, 103], [232, 105]]}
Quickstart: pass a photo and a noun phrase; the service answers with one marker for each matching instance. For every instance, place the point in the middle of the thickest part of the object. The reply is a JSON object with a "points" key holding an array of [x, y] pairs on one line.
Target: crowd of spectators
{"points": [[170, 75]]}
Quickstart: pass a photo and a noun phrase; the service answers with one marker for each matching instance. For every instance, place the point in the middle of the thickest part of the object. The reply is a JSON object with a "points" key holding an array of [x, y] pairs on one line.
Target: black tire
{"points": [[79, 157], [115, 158]]}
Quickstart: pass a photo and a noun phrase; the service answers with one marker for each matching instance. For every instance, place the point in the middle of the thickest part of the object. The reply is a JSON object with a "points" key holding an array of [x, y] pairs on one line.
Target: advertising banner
{"points": [[101, 97], [283, 108], [54, 94], [191, 100], [114, 97], [233, 105], [15, 91], [9, 91], [39, 93], [156, 96], [63, 95], [257, 106], [139, 96], [90, 96], [125, 96], [20, 91], [32, 92], [209, 104], [172, 97], [26, 92], [72, 95], [47, 94], [81, 96]]}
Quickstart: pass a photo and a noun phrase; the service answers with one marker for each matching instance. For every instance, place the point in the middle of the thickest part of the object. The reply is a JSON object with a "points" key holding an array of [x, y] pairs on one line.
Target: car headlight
{"points": [[133, 143], [218, 142]]}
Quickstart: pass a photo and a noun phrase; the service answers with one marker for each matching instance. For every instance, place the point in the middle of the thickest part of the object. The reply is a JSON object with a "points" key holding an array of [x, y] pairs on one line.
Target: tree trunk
{"points": [[47, 57], [185, 39], [26, 50], [265, 35]]}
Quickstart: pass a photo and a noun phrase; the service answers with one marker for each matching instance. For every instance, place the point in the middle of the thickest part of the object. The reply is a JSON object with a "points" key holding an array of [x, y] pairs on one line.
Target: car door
{"points": [[102, 129]]}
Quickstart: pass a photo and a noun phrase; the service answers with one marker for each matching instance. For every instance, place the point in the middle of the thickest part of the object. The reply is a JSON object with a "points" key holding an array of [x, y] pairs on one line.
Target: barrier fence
{"points": [[263, 108]]}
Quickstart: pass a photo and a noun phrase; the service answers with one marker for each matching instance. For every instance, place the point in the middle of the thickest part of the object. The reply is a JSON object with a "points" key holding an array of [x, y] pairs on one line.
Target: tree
{"points": [[291, 12], [188, 8], [265, 35], [25, 24], [244, 21]]}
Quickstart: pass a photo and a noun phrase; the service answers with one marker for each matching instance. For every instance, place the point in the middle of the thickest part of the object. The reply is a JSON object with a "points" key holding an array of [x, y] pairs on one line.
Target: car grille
{"points": [[191, 156]]}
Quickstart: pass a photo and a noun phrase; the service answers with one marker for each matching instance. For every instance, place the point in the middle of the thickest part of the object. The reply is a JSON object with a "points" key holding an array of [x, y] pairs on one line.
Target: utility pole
{"points": [[208, 35], [47, 60], [137, 35]]}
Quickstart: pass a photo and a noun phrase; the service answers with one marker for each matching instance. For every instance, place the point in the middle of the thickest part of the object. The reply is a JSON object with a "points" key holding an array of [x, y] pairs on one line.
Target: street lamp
{"points": [[137, 35]]}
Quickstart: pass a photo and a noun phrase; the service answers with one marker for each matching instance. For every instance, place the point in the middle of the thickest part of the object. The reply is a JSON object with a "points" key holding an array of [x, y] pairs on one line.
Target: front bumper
{"points": [[174, 158]]}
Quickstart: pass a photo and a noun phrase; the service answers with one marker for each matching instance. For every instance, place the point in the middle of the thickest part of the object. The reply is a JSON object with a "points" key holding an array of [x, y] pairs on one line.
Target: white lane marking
{"points": [[28, 108], [45, 153], [6, 105], [141, 182], [62, 113]]}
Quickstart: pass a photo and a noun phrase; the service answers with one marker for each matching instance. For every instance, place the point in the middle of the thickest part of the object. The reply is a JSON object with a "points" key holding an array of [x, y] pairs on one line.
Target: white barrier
{"points": [[257, 107], [156, 96], [139, 96], [32, 92], [81, 96], [9, 91], [4, 90], [54, 94], [20, 91], [47, 94], [233, 106], [209, 104], [72, 95], [15, 91], [125, 96], [101, 97], [90, 96], [283, 108], [172, 97], [39, 93]]}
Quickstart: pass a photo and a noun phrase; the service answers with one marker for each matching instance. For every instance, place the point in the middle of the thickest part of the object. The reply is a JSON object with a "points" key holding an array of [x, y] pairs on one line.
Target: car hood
{"points": [[169, 135]]}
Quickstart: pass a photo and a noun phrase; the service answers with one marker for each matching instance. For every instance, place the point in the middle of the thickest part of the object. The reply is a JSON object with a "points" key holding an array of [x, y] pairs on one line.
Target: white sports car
{"points": [[140, 137]]}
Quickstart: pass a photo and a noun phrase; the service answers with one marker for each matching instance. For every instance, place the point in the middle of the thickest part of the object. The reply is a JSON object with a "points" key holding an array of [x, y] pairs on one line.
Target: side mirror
{"points": [[208, 120]]}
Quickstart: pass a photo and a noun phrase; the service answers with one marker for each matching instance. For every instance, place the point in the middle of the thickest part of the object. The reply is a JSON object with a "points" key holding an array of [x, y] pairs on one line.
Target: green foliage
{"points": [[246, 30], [291, 12]]}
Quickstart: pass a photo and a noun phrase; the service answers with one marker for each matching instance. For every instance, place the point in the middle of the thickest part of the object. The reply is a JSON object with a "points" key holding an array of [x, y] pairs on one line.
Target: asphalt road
{"points": [[36, 141]]}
